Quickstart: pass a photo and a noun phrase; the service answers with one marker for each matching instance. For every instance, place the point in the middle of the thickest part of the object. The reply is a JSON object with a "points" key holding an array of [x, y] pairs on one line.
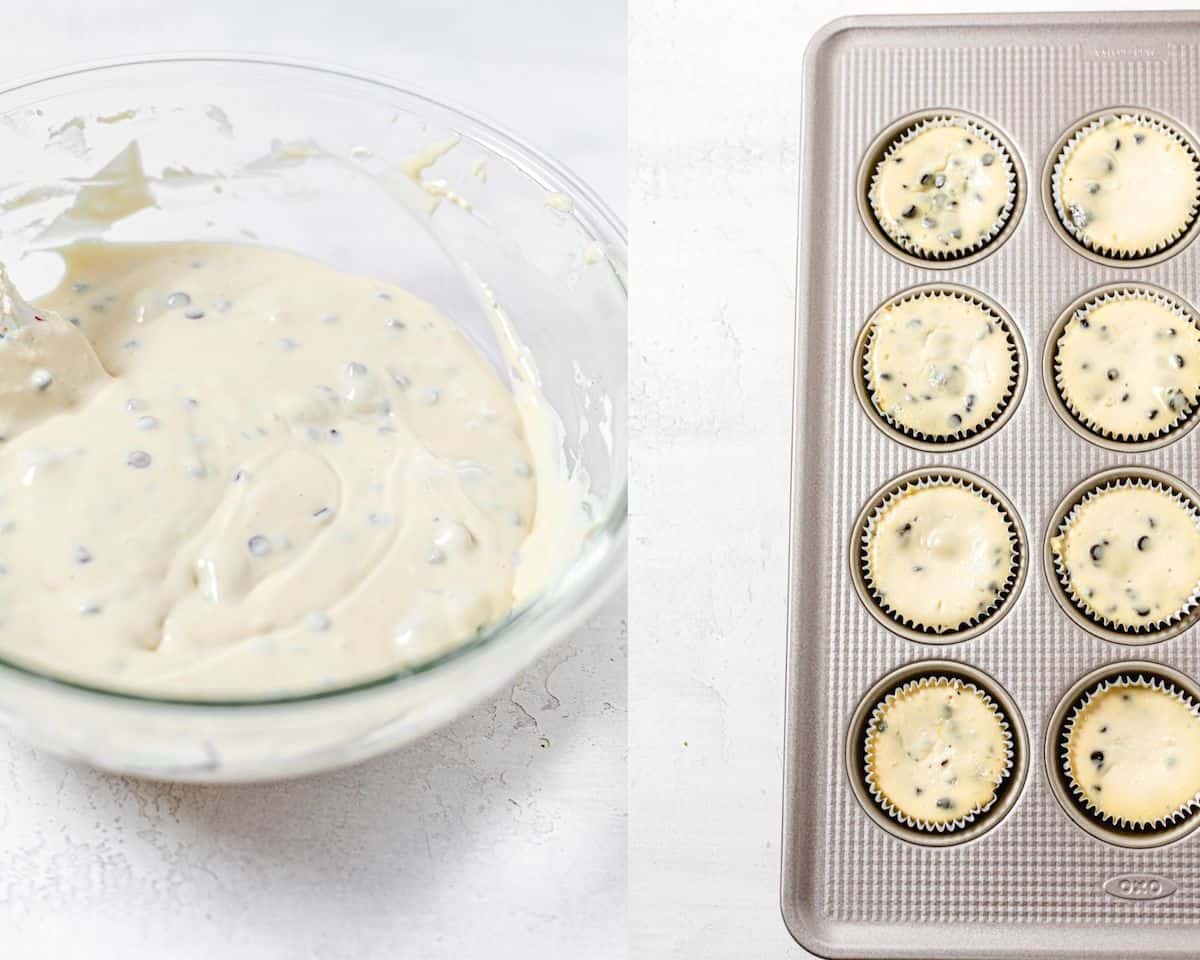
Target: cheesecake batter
{"points": [[1128, 186], [944, 191], [1129, 367], [230, 470], [1131, 555], [937, 751], [1134, 753], [939, 365], [939, 556]]}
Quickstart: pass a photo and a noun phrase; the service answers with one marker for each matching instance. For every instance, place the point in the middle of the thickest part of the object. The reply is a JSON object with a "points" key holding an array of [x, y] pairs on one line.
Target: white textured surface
{"points": [[714, 122], [500, 836]]}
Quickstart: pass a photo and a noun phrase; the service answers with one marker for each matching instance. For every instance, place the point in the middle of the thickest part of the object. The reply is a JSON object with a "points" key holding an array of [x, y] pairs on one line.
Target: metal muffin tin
{"points": [[1178, 432], [1034, 885]]}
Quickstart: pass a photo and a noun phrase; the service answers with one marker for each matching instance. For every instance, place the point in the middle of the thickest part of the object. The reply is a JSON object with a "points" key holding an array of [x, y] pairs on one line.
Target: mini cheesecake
{"points": [[939, 556], [937, 751], [939, 365], [1130, 556], [1127, 186], [1133, 753], [943, 190]]}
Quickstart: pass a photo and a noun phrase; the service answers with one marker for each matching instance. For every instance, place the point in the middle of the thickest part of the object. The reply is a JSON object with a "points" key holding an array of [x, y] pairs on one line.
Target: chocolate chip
{"points": [[955, 420], [1117, 144], [1152, 414], [1139, 138], [987, 159], [926, 179], [969, 402], [1177, 360], [945, 803], [1143, 543], [1124, 398], [1142, 611], [1097, 757], [885, 376], [906, 529], [1093, 188], [1096, 552], [1112, 373], [1084, 322]]}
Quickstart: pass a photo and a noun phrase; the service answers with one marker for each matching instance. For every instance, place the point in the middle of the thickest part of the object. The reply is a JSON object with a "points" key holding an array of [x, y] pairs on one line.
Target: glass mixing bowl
{"points": [[373, 179]]}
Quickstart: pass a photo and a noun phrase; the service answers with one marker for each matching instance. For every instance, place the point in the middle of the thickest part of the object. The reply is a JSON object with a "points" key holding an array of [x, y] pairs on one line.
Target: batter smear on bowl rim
{"points": [[229, 469]]}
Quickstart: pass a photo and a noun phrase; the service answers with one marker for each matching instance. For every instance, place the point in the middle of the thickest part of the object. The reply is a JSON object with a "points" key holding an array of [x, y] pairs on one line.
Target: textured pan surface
{"points": [[1036, 885]]}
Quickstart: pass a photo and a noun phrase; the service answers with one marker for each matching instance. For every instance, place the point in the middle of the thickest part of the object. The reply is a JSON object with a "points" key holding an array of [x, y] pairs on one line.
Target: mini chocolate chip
{"points": [[1177, 360], [1084, 322], [1139, 138], [955, 420], [926, 179], [908, 212], [1152, 414], [907, 528], [1142, 611], [1143, 542], [1097, 757], [1124, 398], [1104, 729], [945, 803], [1112, 373], [969, 402], [1093, 188], [1097, 552], [987, 159], [885, 376]]}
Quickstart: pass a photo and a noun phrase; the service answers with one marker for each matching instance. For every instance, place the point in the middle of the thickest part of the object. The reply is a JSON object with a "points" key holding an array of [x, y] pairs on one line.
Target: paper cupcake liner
{"points": [[935, 479], [1065, 216], [1060, 569], [1132, 292], [1124, 823], [959, 435], [1002, 154], [885, 803]]}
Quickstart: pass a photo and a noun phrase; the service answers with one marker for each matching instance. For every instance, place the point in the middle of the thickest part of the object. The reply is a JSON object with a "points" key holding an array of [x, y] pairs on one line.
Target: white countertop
{"points": [[714, 128], [502, 835]]}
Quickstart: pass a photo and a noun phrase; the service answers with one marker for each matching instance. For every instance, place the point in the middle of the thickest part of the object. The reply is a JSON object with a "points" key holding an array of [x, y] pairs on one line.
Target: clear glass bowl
{"points": [[345, 169]]}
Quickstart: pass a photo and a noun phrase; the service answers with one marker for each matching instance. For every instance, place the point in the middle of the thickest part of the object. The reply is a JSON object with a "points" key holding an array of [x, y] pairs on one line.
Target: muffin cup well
{"points": [[1128, 673], [1056, 575], [1060, 218], [864, 389], [980, 821], [901, 132], [1066, 411], [860, 544]]}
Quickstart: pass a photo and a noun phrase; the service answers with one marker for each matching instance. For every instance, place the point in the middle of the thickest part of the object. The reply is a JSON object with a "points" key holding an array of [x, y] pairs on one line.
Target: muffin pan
{"points": [[1028, 878]]}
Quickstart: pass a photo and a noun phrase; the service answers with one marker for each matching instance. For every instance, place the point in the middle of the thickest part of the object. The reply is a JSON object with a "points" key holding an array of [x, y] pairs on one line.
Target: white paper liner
{"points": [[958, 435], [934, 479], [885, 803], [1002, 155], [1078, 233], [1132, 292], [1060, 569], [1122, 681]]}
